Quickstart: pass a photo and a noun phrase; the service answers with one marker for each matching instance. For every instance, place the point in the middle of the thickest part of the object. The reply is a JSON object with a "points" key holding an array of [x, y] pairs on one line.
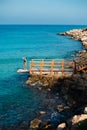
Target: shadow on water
{"points": [[17, 101], [20, 102]]}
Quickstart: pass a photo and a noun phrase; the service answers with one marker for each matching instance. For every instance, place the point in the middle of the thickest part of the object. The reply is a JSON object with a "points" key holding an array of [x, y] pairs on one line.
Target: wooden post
{"points": [[31, 66], [41, 67], [63, 67], [52, 67], [30, 69], [74, 66]]}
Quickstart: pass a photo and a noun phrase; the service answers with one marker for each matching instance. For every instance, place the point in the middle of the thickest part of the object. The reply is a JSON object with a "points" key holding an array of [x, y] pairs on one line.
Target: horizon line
{"points": [[47, 24]]}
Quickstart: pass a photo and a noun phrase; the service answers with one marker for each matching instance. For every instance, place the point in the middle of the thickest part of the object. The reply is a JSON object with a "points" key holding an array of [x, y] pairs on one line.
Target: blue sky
{"points": [[43, 12]]}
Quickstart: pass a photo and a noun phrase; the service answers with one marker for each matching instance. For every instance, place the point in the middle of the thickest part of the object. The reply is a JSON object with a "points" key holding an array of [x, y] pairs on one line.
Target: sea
{"points": [[18, 101]]}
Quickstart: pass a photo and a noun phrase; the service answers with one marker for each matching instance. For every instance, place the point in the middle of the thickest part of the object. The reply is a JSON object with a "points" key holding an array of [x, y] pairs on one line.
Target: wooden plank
{"points": [[85, 67]]}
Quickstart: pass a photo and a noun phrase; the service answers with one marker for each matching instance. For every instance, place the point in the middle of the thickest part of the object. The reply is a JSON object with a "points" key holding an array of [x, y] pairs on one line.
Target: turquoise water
{"points": [[17, 101]]}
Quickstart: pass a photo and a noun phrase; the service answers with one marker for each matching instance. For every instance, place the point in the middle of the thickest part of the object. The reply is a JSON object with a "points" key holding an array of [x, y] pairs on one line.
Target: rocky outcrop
{"points": [[74, 88], [78, 34], [77, 118], [44, 81], [79, 122]]}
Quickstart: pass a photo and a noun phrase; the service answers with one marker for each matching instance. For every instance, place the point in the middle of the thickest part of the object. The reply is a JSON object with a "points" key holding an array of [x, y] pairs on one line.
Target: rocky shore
{"points": [[64, 108], [77, 34]]}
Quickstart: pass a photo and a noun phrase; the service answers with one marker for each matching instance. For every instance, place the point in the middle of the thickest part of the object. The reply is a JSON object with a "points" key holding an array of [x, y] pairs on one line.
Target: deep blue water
{"points": [[18, 102]]}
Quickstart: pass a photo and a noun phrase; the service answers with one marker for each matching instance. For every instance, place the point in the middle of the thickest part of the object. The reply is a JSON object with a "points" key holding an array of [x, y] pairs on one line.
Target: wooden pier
{"points": [[50, 67], [56, 67]]}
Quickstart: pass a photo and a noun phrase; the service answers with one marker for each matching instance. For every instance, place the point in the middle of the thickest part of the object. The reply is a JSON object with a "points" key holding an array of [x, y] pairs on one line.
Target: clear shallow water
{"points": [[17, 102]]}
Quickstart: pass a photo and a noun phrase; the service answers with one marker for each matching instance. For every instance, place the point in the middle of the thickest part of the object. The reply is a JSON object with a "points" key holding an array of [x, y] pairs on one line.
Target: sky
{"points": [[43, 12]]}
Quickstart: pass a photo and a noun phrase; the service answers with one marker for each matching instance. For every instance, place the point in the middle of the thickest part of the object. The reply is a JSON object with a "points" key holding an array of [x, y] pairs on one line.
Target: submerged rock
{"points": [[34, 124], [60, 108], [42, 112]]}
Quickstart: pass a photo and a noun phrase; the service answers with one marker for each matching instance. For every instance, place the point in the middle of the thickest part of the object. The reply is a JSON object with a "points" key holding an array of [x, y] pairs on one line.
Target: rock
{"points": [[60, 108], [79, 122], [42, 112], [78, 118], [61, 126], [84, 38], [49, 89], [45, 125], [85, 110], [85, 29], [34, 124], [63, 34]]}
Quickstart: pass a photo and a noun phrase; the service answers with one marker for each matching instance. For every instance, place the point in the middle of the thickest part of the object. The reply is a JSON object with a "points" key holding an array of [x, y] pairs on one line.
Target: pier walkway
{"points": [[50, 67]]}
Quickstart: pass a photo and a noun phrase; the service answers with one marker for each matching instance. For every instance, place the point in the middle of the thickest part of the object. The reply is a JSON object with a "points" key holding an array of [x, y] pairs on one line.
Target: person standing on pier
{"points": [[25, 62]]}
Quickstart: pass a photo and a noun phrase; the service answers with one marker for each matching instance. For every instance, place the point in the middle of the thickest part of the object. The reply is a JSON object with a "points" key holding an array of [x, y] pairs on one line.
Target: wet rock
{"points": [[60, 108], [44, 81], [62, 34], [66, 108], [42, 112], [61, 126], [45, 126], [34, 124]]}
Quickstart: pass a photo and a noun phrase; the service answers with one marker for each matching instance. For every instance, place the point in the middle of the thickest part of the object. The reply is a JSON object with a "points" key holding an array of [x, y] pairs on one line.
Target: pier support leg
{"points": [[63, 67]]}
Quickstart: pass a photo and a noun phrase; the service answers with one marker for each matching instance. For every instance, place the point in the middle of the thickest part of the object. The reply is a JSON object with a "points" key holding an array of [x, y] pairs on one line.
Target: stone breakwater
{"points": [[78, 34]]}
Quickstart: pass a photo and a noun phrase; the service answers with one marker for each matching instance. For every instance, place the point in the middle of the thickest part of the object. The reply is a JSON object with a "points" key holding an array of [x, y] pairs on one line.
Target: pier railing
{"points": [[49, 66]]}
